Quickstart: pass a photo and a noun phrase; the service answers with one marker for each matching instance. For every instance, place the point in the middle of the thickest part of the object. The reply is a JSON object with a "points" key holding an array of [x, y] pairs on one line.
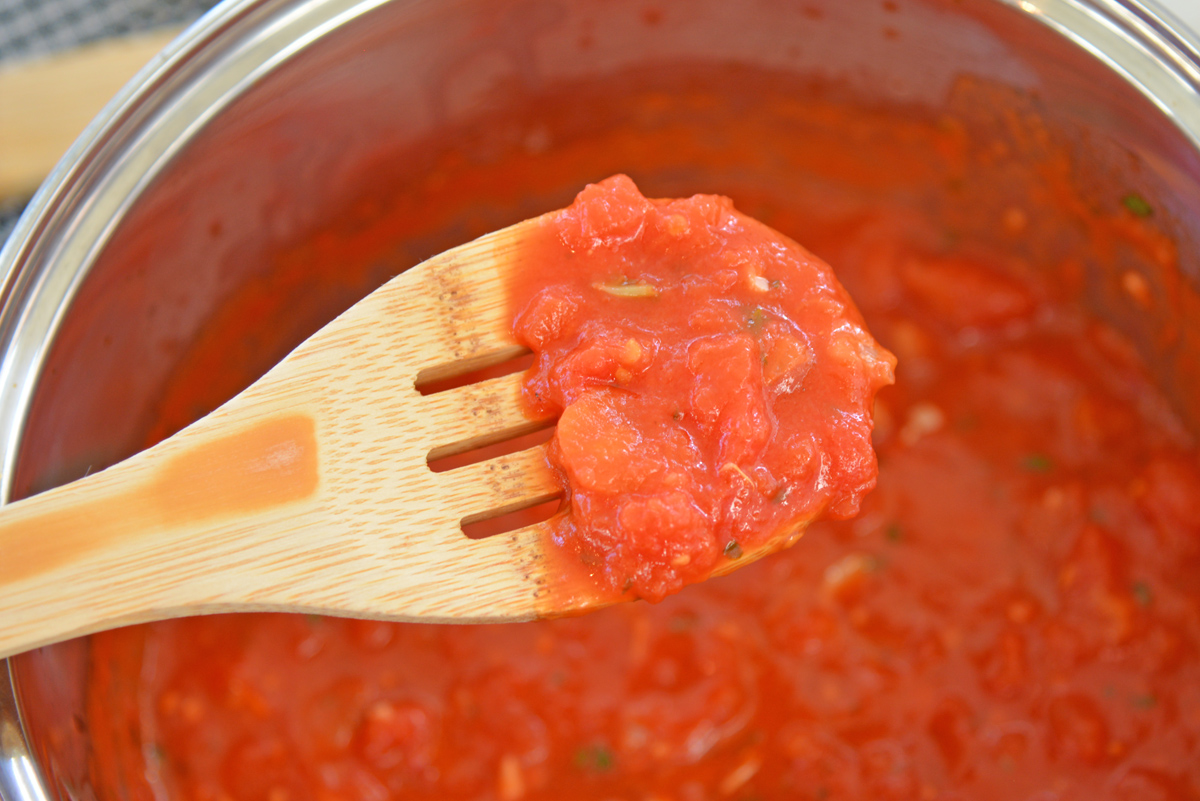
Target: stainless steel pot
{"points": [[267, 115]]}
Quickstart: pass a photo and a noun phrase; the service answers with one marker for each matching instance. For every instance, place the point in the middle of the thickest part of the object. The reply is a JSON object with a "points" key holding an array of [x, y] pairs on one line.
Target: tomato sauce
{"points": [[712, 381], [1013, 614]]}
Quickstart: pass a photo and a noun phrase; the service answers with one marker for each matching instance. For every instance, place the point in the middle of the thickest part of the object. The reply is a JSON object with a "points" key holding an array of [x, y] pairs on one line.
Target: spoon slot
{"points": [[444, 377], [490, 446], [476, 416], [477, 528], [500, 485]]}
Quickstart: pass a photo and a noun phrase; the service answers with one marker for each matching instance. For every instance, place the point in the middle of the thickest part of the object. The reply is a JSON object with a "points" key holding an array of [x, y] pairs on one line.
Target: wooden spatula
{"points": [[311, 490]]}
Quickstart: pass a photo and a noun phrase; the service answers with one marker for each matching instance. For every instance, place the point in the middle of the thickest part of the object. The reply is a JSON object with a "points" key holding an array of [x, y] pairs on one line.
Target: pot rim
{"points": [[78, 206]]}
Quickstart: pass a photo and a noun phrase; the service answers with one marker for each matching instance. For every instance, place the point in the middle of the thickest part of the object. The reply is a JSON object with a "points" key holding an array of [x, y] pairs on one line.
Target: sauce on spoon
{"points": [[714, 382]]}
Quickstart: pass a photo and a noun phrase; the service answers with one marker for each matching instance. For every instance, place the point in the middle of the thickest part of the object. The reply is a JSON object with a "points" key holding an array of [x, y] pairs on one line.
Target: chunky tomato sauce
{"points": [[712, 382], [1014, 614]]}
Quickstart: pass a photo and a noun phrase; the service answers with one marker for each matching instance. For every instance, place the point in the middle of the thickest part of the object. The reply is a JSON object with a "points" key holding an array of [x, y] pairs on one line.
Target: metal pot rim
{"points": [[73, 214]]}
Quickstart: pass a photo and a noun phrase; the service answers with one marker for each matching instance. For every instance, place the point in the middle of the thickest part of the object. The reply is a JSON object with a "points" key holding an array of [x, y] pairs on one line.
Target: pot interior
{"points": [[420, 125]]}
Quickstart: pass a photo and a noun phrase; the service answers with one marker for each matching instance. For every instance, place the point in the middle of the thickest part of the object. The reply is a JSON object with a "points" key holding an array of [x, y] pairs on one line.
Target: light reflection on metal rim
{"points": [[24, 777]]}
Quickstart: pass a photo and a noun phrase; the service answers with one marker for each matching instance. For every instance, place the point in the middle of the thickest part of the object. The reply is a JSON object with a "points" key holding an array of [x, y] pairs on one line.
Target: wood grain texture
{"points": [[46, 103], [311, 491]]}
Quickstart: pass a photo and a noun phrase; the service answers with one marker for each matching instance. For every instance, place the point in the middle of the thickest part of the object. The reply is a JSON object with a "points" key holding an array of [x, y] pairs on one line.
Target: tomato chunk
{"points": [[714, 383]]}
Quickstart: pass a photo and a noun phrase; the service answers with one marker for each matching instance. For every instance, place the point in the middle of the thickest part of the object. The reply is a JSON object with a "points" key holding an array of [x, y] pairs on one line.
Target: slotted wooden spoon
{"points": [[311, 491]]}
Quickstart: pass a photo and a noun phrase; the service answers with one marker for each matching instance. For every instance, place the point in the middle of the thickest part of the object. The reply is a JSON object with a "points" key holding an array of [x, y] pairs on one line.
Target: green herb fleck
{"points": [[677, 415], [314, 620], [604, 759], [733, 550], [893, 532], [756, 319], [685, 621], [597, 758], [1037, 463], [622, 288], [1142, 593], [780, 494], [1136, 205], [775, 284], [1145, 701]]}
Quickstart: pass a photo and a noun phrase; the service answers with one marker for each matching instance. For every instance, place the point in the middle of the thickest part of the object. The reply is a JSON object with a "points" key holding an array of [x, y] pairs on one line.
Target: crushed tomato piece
{"points": [[714, 383]]}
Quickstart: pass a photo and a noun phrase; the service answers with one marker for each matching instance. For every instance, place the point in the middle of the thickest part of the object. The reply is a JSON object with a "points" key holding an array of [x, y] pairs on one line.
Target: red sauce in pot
{"points": [[713, 384], [1014, 614]]}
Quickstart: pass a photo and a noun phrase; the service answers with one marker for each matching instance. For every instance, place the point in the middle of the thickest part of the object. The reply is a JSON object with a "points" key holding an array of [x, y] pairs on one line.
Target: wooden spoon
{"points": [[311, 490]]}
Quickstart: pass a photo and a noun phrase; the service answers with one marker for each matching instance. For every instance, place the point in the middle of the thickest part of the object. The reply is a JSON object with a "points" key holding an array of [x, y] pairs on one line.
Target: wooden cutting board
{"points": [[45, 103]]}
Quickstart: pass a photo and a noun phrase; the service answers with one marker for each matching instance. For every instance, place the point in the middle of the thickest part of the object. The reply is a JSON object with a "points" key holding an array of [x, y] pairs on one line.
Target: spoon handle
{"points": [[144, 538], [312, 490]]}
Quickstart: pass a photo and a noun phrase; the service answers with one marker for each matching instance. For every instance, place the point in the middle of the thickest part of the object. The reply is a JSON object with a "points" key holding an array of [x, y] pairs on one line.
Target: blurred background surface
{"points": [[39, 30], [37, 27]]}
